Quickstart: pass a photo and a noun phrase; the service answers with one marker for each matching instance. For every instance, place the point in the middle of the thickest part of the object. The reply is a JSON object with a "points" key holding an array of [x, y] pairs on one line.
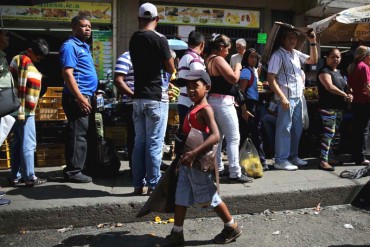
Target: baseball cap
{"points": [[195, 75], [148, 10], [288, 31]]}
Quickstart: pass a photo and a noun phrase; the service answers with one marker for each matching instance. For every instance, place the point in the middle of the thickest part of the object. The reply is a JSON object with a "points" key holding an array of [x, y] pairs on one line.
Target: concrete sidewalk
{"points": [[57, 204]]}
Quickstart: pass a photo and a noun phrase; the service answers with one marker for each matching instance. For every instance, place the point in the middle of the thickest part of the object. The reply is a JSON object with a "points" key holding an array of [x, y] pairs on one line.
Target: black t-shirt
{"points": [[148, 50], [328, 100]]}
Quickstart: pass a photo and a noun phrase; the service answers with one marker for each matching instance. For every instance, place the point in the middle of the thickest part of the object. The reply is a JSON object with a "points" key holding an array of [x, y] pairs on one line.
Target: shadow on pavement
{"points": [[362, 199]]}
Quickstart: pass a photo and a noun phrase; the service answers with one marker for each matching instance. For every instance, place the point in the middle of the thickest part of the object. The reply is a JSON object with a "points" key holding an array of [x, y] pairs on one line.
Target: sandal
{"points": [[34, 182]]}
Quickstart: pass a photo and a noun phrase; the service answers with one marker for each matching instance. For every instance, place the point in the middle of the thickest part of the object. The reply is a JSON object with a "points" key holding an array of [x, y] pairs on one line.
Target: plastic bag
{"points": [[305, 119], [249, 160]]}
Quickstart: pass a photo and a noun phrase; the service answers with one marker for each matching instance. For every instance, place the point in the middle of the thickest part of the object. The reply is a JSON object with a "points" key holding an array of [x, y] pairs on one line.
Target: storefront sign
{"points": [[59, 11], [208, 16], [261, 38], [103, 52]]}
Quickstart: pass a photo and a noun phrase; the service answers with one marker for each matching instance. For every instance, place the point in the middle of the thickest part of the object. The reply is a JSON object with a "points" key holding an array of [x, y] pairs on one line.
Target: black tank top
{"points": [[219, 83]]}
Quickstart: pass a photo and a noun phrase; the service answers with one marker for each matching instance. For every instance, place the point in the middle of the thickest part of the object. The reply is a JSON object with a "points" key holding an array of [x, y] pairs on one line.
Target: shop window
{"points": [[282, 16]]}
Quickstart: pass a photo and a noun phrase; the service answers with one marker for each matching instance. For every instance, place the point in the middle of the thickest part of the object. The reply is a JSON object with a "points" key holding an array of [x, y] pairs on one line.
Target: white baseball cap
{"points": [[148, 10]]}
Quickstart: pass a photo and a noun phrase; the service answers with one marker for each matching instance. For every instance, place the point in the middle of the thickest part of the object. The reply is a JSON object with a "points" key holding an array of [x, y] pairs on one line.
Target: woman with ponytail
{"points": [[359, 82]]}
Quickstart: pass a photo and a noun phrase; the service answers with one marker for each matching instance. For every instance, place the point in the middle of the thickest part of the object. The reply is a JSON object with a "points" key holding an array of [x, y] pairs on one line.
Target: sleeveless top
{"points": [[219, 84], [190, 120]]}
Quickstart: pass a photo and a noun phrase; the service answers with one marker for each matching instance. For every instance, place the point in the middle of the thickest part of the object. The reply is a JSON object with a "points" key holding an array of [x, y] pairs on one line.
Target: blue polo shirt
{"points": [[76, 54]]}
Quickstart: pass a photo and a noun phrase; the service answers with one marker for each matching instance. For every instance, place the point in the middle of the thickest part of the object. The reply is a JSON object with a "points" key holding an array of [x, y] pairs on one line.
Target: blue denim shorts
{"points": [[195, 187]]}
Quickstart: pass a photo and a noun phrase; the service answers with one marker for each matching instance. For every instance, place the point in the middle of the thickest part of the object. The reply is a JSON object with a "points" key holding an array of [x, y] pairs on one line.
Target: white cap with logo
{"points": [[148, 10]]}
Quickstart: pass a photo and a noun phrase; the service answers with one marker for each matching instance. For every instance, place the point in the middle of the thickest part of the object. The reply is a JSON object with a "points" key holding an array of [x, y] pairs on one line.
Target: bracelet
{"points": [[313, 44]]}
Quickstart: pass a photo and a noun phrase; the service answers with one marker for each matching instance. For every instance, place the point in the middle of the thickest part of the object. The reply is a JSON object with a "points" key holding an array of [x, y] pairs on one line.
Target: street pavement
{"points": [[57, 204]]}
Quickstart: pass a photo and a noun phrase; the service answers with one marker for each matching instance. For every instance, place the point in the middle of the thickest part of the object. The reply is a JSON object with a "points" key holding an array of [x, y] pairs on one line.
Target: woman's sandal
{"points": [[363, 163], [34, 182]]}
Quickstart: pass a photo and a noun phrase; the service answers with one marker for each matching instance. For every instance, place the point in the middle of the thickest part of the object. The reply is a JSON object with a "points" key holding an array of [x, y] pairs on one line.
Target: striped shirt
{"points": [[27, 82], [189, 62], [286, 66], [124, 66]]}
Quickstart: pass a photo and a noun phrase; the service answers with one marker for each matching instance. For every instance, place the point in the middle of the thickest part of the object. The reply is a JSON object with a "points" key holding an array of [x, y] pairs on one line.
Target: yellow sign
{"points": [[59, 11], [196, 16]]}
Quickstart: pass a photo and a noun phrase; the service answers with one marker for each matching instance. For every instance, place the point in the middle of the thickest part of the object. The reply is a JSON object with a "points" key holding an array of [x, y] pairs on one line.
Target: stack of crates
{"points": [[50, 154], [5, 155], [50, 105], [118, 134]]}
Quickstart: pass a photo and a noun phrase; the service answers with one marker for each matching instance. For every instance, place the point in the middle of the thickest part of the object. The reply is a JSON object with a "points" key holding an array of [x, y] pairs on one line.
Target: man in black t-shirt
{"points": [[151, 59]]}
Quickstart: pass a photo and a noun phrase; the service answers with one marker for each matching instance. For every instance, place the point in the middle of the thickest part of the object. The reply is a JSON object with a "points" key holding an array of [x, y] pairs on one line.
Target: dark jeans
{"points": [[252, 128], [361, 121], [80, 143]]}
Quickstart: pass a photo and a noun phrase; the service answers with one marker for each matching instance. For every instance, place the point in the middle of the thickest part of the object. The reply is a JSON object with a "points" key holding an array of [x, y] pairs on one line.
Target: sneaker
{"points": [[4, 202], [242, 179], [139, 191], [228, 234], [2, 193], [223, 173], [149, 191], [36, 181], [77, 178], [298, 162], [285, 166], [14, 182], [175, 238]]}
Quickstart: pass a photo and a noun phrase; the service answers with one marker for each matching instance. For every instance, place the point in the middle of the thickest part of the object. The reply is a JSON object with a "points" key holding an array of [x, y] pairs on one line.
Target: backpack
{"points": [[107, 160]]}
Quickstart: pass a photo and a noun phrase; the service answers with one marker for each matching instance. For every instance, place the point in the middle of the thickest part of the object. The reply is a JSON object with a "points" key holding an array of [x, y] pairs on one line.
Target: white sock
{"points": [[177, 228], [230, 223]]}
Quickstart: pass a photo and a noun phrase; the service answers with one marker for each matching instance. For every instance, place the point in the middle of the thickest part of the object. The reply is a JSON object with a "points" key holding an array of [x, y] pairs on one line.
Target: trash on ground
{"points": [[65, 229], [276, 233], [348, 226]]}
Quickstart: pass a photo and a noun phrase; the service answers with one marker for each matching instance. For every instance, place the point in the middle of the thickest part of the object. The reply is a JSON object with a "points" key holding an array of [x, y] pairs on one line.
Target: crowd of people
{"points": [[144, 74]]}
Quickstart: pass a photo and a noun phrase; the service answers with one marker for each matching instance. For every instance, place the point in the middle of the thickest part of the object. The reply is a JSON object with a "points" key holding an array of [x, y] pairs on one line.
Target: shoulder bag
{"points": [[9, 101]]}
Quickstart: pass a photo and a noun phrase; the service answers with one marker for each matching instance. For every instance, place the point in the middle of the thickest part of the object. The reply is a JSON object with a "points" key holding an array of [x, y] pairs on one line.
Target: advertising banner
{"points": [[103, 52]]}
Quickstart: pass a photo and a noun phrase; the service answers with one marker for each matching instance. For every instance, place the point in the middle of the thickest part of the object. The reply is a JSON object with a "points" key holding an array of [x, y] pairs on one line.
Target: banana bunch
{"points": [[311, 93], [173, 92]]}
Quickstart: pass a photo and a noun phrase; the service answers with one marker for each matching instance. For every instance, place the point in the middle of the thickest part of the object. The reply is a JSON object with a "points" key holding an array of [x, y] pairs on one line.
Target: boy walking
{"points": [[195, 186]]}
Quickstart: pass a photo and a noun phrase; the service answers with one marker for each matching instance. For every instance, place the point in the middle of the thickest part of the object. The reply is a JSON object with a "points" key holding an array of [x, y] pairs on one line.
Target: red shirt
{"points": [[191, 120], [357, 80]]}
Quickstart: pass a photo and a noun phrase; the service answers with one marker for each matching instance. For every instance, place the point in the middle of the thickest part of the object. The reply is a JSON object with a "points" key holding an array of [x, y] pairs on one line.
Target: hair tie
{"points": [[215, 35]]}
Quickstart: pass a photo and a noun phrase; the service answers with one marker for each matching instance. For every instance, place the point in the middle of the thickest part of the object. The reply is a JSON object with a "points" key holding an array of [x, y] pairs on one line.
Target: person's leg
{"points": [[254, 128], [360, 131], [130, 132], [156, 116], [282, 136], [138, 153], [28, 149], [15, 152], [180, 213], [328, 117], [269, 124], [223, 212]]}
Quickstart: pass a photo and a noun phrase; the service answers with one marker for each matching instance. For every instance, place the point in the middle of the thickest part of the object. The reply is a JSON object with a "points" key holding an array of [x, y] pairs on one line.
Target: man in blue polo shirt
{"points": [[80, 83]]}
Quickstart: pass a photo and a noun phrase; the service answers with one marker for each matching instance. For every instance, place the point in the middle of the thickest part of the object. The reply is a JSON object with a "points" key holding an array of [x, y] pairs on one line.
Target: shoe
{"points": [[223, 173], [164, 167], [175, 238], [4, 202], [14, 182], [228, 234], [363, 163], [77, 178], [298, 162], [242, 179], [285, 166], [329, 169], [139, 191], [265, 167], [2, 193], [149, 191], [36, 181]]}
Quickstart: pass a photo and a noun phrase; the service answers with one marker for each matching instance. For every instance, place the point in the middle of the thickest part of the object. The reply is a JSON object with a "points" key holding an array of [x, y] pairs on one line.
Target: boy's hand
{"points": [[188, 158]]}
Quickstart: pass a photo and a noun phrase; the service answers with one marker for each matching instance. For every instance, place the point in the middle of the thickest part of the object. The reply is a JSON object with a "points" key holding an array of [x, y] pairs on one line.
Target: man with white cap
{"points": [[151, 59], [286, 81]]}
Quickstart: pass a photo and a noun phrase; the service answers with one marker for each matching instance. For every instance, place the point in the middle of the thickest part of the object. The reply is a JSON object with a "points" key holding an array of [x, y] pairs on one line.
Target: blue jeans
{"points": [[22, 150], [228, 126], [150, 119], [289, 128]]}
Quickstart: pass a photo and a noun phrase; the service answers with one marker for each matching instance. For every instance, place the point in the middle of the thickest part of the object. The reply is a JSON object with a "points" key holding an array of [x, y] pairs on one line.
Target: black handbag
{"points": [[9, 101], [239, 95]]}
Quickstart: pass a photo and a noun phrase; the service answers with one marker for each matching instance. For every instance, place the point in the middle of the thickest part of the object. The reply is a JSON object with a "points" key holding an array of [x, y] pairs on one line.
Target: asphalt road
{"points": [[330, 226]]}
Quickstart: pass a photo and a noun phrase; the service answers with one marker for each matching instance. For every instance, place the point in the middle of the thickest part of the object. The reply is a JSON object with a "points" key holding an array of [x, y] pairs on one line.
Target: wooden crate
{"points": [[173, 117], [50, 154], [5, 155], [118, 134]]}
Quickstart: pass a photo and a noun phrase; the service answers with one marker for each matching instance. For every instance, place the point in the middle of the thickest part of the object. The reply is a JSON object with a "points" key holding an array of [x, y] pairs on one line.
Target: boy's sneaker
{"points": [[228, 234], [2, 193], [242, 179], [286, 165], [4, 202], [298, 162], [175, 238]]}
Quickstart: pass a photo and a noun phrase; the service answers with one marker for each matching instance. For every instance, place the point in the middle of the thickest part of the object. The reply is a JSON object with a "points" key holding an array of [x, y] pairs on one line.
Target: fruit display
{"points": [[173, 92], [311, 93]]}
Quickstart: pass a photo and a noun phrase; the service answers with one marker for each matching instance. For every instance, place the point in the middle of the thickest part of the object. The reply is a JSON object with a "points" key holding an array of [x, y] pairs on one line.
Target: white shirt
{"points": [[236, 58]]}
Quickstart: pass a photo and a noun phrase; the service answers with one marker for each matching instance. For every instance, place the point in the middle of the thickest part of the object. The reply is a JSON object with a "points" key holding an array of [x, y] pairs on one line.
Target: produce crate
{"points": [[5, 155], [118, 134], [53, 92], [50, 154], [50, 108], [173, 117]]}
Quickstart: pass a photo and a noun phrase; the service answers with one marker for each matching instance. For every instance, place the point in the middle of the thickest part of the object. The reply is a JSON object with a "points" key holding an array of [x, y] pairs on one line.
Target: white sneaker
{"points": [[286, 165], [298, 162]]}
